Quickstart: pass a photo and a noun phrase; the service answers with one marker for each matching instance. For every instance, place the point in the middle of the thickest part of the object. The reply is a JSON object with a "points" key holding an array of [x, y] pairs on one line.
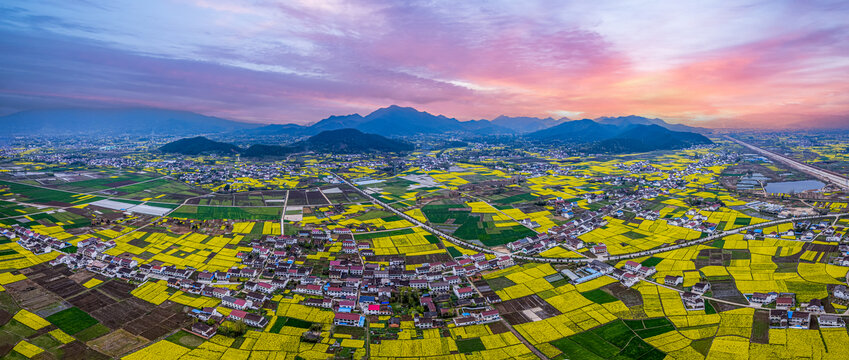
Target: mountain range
{"points": [[134, 121], [617, 136], [395, 121], [331, 141], [406, 121]]}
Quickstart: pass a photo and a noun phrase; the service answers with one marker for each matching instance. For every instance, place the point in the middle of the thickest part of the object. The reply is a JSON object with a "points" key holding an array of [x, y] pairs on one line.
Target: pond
{"points": [[786, 187]]}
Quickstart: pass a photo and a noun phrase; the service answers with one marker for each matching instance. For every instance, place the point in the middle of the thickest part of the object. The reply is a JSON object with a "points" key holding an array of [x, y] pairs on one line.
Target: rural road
{"points": [[814, 171], [579, 260]]}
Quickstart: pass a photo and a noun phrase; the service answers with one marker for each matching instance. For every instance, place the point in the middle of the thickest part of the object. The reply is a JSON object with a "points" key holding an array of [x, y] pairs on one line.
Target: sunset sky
{"points": [[757, 64]]}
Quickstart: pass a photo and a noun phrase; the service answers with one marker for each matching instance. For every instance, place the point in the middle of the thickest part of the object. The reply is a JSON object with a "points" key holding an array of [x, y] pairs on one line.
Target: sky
{"points": [[765, 64]]}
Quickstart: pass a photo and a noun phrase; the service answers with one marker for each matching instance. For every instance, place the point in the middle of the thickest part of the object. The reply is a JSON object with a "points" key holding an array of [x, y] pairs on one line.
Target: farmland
{"points": [[439, 254]]}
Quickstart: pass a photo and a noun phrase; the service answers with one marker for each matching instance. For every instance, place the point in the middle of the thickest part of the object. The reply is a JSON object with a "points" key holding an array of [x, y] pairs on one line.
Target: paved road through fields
{"points": [[827, 176]]}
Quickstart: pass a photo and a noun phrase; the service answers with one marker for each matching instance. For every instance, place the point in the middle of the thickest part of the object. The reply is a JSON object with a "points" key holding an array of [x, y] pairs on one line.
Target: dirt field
{"points": [[30, 295], [56, 280], [92, 301], [82, 276], [117, 343], [526, 309], [629, 297], [162, 320], [118, 289], [118, 314], [79, 351]]}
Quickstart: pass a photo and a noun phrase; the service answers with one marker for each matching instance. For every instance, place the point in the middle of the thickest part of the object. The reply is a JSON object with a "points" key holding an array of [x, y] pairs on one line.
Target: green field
{"points": [[186, 339], [489, 234], [500, 283], [526, 197], [599, 296], [474, 227], [92, 332], [42, 195], [227, 212], [652, 261], [72, 320], [377, 234], [650, 327], [286, 321], [612, 340], [465, 346], [102, 183], [9, 209]]}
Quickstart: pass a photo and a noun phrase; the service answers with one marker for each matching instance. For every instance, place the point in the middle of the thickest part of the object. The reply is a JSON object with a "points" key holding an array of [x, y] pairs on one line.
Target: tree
{"points": [[233, 329]]}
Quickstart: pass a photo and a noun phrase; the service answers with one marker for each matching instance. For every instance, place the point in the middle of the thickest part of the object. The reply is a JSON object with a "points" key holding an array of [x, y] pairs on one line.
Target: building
{"points": [[629, 279], [841, 292], [778, 319], [599, 250], [763, 298], [464, 292], [202, 329], [692, 301], [348, 319], [785, 302], [830, 321], [815, 306], [465, 321], [799, 319], [255, 320], [701, 288], [673, 280], [235, 303], [490, 316]]}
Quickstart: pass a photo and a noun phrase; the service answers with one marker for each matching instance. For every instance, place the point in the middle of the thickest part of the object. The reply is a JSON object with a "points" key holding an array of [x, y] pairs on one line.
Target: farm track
{"points": [[822, 174], [581, 260]]}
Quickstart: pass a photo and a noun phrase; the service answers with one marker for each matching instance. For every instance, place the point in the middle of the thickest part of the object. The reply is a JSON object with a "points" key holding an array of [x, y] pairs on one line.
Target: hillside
{"points": [[341, 141], [525, 124], [639, 120], [621, 138], [641, 138], [199, 145], [352, 141], [585, 130], [116, 121]]}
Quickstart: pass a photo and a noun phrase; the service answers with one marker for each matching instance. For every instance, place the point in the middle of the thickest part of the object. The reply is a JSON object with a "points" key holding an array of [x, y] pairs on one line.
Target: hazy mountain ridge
{"points": [[627, 137], [331, 141], [137, 121], [394, 121], [525, 124], [199, 145], [639, 120]]}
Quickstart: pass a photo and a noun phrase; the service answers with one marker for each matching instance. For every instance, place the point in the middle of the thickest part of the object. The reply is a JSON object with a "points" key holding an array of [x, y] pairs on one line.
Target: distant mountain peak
{"points": [[116, 121], [641, 120], [618, 137], [199, 145]]}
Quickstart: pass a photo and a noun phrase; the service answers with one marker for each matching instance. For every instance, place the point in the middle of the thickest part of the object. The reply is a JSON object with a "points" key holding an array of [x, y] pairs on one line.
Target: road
{"points": [[283, 213], [580, 260], [814, 171], [404, 216], [515, 332], [754, 306]]}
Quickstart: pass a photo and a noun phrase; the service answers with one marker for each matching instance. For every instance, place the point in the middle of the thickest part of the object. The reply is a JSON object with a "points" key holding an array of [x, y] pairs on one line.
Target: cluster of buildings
{"points": [[350, 288], [36, 243], [370, 288]]}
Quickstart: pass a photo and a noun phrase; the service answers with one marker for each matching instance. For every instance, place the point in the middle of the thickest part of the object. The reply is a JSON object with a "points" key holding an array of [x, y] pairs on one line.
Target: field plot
{"points": [[468, 225], [408, 242], [38, 195], [72, 320], [613, 340], [108, 181], [227, 212], [526, 309]]}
